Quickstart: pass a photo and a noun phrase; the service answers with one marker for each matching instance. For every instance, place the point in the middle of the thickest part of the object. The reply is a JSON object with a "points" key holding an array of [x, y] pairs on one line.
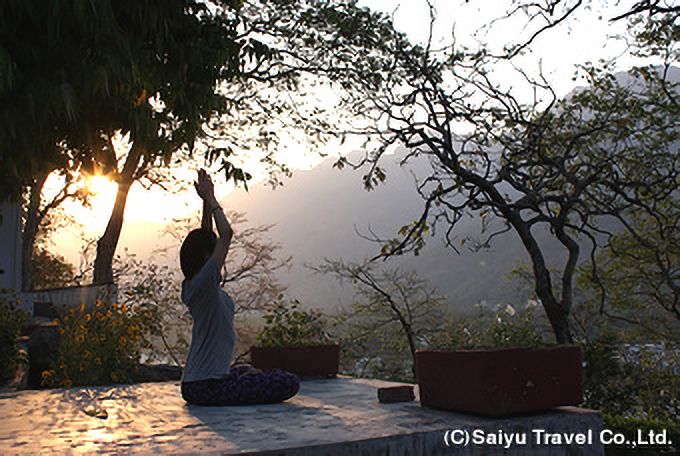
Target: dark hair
{"points": [[197, 246]]}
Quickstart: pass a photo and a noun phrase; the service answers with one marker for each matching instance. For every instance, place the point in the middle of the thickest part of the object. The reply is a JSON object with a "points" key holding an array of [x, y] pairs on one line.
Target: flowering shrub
{"points": [[99, 345], [506, 328]]}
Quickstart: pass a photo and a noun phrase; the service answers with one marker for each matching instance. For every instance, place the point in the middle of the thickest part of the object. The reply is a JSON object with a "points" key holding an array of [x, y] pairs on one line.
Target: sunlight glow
{"points": [[101, 187]]}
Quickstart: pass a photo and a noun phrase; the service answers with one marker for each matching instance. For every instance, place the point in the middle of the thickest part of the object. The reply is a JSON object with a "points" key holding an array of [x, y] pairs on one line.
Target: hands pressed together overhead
{"points": [[211, 208], [204, 186]]}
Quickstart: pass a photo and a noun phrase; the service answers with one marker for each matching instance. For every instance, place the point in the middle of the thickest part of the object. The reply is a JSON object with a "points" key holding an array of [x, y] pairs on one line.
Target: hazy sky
{"points": [[587, 36]]}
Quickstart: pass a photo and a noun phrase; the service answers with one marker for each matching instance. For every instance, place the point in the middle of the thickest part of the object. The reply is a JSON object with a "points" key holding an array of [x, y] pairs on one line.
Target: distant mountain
{"points": [[319, 213]]}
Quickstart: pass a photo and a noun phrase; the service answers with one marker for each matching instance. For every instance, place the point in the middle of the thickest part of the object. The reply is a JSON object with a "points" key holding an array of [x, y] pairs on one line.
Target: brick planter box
{"points": [[500, 382], [304, 361]]}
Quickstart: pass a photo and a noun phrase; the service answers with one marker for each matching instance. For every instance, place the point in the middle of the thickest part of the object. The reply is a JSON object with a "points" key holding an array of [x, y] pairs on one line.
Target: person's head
{"points": [[197, 247]]}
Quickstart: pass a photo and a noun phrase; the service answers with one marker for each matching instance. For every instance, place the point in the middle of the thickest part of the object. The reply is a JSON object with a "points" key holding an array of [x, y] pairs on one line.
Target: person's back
{"points": [[213, 333]]}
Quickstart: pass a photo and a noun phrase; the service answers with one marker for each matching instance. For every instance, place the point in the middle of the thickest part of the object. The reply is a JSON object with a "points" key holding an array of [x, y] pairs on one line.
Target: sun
{"points": [[101, 187]]}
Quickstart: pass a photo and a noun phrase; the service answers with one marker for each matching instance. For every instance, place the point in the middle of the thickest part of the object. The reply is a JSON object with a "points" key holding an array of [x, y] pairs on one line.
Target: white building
{"points": [[10, 247]]}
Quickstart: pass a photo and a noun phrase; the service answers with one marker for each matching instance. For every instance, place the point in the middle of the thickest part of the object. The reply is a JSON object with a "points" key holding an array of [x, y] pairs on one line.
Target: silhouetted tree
{"points": [[74, 75], [394, 310], [564, 165]]}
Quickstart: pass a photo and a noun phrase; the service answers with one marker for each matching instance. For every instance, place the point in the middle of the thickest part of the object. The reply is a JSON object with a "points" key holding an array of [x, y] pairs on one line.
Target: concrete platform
{"points": [[328, 417]]}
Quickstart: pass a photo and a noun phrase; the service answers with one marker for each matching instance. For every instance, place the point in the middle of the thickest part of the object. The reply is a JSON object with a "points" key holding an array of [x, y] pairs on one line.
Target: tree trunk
{"points": [[557, 312], [30, 231], [557, 315], [412, 347], [106, 246]]}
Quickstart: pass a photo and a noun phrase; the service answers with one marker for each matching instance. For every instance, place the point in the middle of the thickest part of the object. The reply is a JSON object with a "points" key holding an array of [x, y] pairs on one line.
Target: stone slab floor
{"points": [[335, 416]]}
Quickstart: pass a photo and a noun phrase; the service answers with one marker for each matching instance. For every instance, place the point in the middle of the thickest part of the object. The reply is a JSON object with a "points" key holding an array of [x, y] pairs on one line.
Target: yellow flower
{"points": [[68, 383], [98, 303], [88, 317], [46, 374], [82, 307]]}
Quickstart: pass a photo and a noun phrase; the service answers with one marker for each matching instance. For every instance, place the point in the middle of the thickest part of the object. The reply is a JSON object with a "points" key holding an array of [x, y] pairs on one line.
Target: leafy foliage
{"points": [[504, 328], [515, 330], [519, 164], [78, 70], [636, 382], [79, 74], [286, 325], [12, 321], [395, 312], [50, 270], [165, 75], [626, 136], [638, 276], [99, 345]]}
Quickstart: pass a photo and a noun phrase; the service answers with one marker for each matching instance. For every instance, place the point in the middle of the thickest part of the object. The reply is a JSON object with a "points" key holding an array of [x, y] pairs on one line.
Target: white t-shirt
{"points": [[212, 336]]}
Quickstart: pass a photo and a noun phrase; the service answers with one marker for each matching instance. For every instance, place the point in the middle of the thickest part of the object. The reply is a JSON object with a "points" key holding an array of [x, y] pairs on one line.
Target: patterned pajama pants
{"points": [[242, 386]]}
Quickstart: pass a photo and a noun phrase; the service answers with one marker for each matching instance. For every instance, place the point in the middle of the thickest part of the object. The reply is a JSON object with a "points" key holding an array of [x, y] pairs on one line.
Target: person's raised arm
{"points": [[224, 231], [206, 218], [205, 190]]}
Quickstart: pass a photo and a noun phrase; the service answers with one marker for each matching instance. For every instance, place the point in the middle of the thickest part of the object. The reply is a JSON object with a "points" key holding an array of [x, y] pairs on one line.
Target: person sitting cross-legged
{"points": [[207, 377]]}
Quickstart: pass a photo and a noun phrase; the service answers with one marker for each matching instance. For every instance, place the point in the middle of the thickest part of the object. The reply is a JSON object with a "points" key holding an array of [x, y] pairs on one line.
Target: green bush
{"points": [[640, 394], [12, 321], [514, 329], [605, 386], [99, 345], [504, 329], [643, 388], [289, 326]]}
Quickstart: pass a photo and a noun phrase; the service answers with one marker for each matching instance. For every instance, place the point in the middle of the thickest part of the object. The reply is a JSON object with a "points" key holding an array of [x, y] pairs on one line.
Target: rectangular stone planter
{"points": [[304, 361], [500, 382]]}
